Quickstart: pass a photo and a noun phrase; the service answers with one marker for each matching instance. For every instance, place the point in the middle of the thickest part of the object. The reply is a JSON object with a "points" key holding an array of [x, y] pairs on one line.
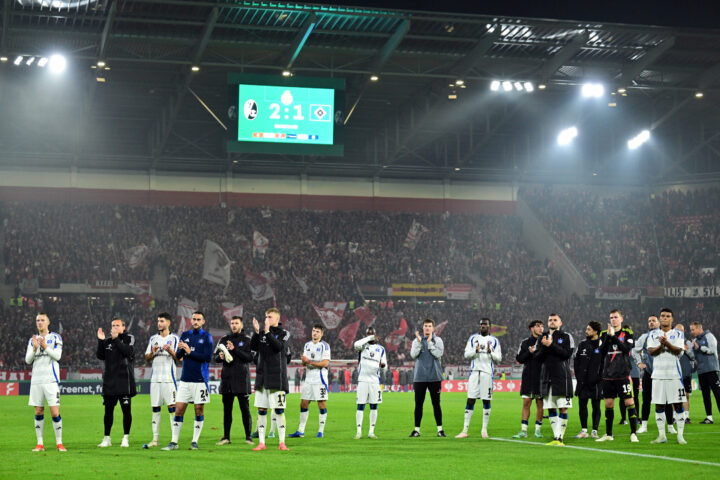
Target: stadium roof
{"points": [[152, 112]]}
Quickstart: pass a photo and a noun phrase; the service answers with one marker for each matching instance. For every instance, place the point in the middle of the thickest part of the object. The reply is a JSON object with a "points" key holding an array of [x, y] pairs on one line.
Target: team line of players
{"points": [[546, 375]]}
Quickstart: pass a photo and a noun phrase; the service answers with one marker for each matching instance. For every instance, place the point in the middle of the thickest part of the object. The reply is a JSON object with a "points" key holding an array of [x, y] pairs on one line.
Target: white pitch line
{"points": [[618, 452]]}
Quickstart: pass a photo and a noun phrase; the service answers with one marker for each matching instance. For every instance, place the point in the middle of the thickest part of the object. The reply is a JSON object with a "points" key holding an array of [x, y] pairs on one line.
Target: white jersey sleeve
{"points": [[666, 365], [371, 358], [483, 361], [163, 364], [316, 352], [45, 360]]}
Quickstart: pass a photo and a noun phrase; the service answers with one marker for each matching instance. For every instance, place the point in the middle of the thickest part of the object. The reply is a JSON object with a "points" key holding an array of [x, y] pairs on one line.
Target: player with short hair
{"points": [[616, 344], [645, 363], [160, 353], [554, 351], [484, 351], [271, 380], [43, 352], [666, 344], [530, 384], [316, 358], [588, 366], [705, 347], [371, 360], [427, 350], [195, 349]]}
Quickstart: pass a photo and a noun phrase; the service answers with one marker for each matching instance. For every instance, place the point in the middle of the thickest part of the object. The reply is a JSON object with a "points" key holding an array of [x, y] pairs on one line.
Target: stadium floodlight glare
{"points": [[30, 61], [3, 59], [287, 73], [18, 60], [459, 82], [593, 90], [542, 86], [638, 140], [57, 64], [507, 86], [529, 87], [495, 85], [518, 86], [699, 94], [195, 68], [567, 135], [42, 62], [374, 78]]}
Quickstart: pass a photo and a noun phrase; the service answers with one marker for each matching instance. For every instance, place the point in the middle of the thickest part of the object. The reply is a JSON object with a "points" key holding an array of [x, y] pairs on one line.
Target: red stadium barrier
{"points": [[498, 385]]}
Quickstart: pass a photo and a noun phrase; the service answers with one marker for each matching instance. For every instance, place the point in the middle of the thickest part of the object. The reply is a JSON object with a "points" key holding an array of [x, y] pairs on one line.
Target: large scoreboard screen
{"points": [[296, 115]]}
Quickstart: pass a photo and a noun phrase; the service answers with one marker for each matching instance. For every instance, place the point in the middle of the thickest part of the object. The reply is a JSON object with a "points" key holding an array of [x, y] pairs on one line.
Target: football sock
{"points": [[538, 427], [322, 419], [261, 426], [373, 419], [660, 421], [171, 412], [57, 426], [563, 425], [554, 423], [304, 414], [609, 417], [199, 420], [680, 421], [632, 417], [486, 419], [280, 424], [273, 421], [176, 427], [39, 428], [156, 422], [439, 428], [359, 418], [469, 410], [523, 426]]}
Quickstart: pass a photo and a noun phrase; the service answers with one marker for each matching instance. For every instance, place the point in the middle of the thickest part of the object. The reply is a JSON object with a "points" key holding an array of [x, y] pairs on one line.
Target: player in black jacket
{"points": [[271, 380], [235, 378], [554, 351], [588, 364], [616, 344], [530, 386], [118, 377]]}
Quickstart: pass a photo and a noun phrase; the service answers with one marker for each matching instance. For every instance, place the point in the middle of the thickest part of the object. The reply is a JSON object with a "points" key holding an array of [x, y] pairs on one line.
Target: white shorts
{"points": [[668, 391], [480, 386], [369, 393], [192, 392], [160, 393], [554, 401], [270, 399], [42, 392], [316, 392]]}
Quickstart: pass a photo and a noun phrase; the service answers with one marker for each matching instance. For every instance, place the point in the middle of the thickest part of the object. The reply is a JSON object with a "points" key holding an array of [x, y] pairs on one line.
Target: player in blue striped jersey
{"points": [[316, 357]]}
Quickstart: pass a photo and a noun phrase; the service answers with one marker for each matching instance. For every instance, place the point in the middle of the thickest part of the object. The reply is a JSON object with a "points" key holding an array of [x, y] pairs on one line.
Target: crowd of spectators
{"points": [[635, 239], [315, 257]]}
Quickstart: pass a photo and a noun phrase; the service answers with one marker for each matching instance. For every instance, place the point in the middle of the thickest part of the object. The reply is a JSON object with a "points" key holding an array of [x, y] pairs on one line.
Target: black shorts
{"points": [[687, 383], [620, 388]]}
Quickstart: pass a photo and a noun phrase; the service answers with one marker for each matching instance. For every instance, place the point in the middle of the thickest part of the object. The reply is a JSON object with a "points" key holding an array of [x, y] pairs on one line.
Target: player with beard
{"points": [[588, 363], [554, 351]]}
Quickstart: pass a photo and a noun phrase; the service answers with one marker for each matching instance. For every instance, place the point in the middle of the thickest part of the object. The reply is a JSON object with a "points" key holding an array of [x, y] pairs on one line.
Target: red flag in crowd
{"points": [[365, 315], [348, 333], [393, 341]]}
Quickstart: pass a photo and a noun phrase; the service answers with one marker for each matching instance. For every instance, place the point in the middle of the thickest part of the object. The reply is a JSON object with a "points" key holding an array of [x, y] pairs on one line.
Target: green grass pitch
{"points": [[338, 455]]}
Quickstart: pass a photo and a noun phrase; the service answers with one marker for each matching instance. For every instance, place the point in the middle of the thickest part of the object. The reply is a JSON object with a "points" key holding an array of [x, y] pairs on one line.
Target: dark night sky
{"points": [[688, 13]]}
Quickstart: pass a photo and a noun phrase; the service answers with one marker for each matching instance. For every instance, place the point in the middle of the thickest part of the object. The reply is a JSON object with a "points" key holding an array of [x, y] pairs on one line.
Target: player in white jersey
{"points": [[316, 357], [371, 359], [43, 352], [163, 385], [666, 344], [484, 351]]}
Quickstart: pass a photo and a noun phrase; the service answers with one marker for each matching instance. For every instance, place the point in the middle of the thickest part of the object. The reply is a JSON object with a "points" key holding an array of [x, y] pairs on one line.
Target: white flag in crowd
{"points": [[266, 212], [302, 281], [414, 234], [259, 285], [352, 247], [231, 310], [331, 313], [185, 309], [440, 328], [260, 244], [136, 255], [141, 290], [216, 265]]}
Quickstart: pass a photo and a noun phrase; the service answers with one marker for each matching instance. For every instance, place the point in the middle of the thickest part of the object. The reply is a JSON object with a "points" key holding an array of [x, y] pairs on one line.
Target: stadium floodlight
{"points": [[567, 135], [495, 85], [638, 140], [593, 90], [42, 62], [699, 94], [30, 61], [518, 86], [374, 78], [57, 64], [3, 59], [529, 87], [459, 82], [18, 60], [507, 86], [542, 86]]}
